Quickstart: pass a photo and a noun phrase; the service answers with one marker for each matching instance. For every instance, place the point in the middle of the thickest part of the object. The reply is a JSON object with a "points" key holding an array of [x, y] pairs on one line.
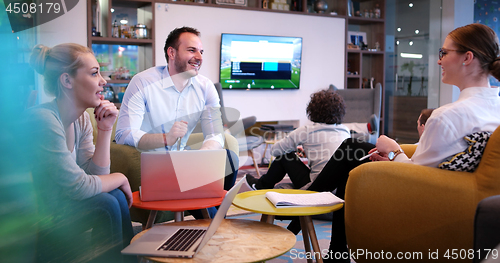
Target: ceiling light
{"points": [[397, 42], [399, 29], [410, 5], [411, 55], [417, 31], [410, 43], [124, 21], [112, 10]]}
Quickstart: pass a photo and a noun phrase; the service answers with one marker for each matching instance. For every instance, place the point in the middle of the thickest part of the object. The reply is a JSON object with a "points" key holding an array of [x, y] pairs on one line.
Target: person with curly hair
{"points": [[319, 140]]}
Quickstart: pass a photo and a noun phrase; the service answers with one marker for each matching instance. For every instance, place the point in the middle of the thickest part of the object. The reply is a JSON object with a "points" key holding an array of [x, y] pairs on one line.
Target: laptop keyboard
{"points": [[182, 240]]}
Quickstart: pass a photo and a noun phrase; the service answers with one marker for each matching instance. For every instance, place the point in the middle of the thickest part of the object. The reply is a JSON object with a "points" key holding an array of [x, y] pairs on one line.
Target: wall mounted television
{"points": [[260, 62]]}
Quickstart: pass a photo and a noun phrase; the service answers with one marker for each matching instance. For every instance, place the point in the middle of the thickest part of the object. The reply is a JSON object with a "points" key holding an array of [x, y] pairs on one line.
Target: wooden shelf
{"points": [[211, 3], [131, 3], [121, 41], [118, 81], [365, 52], [355, 20]]}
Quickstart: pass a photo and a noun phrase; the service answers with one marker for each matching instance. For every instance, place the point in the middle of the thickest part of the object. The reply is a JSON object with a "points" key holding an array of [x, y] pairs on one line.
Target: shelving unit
{"points": [[367, 64], [143, 12]]}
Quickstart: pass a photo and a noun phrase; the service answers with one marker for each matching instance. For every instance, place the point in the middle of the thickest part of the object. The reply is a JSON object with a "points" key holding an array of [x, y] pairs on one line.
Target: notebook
{"points": [[158, 241], [302, 200], [182, 175]]}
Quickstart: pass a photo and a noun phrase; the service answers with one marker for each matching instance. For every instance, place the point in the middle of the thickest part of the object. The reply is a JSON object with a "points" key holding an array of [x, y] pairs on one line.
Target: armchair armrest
{"points": [[409, 149], [398, 207], [127, 160]]}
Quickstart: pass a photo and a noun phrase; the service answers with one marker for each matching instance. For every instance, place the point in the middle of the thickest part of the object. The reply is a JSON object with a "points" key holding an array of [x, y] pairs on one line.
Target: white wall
{"points": [[322, 53], [70, 27]]}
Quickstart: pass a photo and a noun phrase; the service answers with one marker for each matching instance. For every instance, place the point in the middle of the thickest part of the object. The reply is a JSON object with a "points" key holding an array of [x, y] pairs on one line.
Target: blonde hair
{"points": [[53, 62]]}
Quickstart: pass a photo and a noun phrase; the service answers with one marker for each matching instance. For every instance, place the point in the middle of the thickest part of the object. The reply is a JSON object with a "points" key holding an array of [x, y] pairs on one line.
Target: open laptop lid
{"points": [[182, 175], [221, 213], [148, 243]]}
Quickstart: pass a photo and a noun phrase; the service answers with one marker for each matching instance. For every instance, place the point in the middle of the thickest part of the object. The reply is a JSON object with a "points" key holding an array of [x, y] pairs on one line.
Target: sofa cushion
{"points": [[469, 159]]}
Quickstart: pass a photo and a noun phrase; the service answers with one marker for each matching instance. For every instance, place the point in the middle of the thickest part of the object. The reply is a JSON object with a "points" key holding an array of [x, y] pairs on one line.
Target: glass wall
{"points": [[410, 57]]}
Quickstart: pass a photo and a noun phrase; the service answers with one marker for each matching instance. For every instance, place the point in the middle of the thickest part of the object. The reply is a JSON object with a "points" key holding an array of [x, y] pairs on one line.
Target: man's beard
{"points": [[182, 67]]}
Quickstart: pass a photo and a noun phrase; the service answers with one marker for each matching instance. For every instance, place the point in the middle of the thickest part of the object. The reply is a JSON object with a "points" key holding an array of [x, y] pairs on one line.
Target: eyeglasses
{"points": [[443, 52]]}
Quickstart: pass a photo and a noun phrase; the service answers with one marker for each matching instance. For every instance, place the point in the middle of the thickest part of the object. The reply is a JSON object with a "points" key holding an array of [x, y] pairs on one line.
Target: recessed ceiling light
{"points": [[397, 42], [410, 43], [410, 5], [112, 10], [417, 31], [411, 55], [399, 29]]}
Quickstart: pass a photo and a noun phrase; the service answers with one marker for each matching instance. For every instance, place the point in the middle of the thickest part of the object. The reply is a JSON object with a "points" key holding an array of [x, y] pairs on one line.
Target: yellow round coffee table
{"points": [[256, 201]]}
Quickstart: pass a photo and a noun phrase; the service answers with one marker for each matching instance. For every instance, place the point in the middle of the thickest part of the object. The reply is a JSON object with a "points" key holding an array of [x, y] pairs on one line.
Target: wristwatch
{"points": [[392, 155]]}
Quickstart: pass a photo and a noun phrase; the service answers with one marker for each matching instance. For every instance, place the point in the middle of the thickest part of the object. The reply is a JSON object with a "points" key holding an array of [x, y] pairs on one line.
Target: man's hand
{"points": [[300, 152], [210, 145], [178, 130]]}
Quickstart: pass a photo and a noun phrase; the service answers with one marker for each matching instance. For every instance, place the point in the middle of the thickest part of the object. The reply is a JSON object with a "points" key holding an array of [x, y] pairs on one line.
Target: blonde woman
{"points": [[72, 178]]}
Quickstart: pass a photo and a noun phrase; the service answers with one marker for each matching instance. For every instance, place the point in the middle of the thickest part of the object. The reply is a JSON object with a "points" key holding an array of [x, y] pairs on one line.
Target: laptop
{"points": [[165, 240], [182, 175]]}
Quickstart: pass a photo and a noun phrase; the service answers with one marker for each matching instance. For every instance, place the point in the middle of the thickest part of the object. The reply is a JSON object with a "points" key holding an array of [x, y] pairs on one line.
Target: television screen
{"points": [[260, 62]]}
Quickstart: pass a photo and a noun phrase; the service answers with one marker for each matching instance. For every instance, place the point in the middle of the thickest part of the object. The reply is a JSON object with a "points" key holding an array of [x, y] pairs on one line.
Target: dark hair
{"points": [[482, 41], [173, 38], [424, 115], [53, 62], [326, 107]]}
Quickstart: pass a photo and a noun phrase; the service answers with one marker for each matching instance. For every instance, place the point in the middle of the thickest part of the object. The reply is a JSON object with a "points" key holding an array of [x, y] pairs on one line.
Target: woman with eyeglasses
{"points": [[470, 54], [75, 189], [468, 57]]}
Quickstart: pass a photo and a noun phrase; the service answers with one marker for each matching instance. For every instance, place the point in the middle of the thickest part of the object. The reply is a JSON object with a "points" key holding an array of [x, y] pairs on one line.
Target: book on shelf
{"points": [[280, 200]]}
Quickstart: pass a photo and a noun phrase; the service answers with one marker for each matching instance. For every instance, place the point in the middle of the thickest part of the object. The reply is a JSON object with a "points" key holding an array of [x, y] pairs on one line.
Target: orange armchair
{"points": [[398, 207]]}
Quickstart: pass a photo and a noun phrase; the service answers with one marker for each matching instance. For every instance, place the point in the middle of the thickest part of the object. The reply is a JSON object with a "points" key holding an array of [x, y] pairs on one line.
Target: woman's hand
{"points": [[384, 146], [128, 193], [378, 156], [117, 180], [105, 115]]}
